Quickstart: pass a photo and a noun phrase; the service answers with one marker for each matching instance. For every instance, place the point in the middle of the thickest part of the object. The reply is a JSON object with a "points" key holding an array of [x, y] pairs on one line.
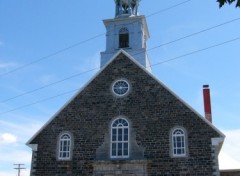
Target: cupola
{"points": [[125, 8]]}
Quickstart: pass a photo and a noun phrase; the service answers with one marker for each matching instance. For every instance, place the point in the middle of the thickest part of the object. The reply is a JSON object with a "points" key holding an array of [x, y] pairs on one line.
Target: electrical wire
{"points": [[161, 45], [159, 63], [82, 42]]}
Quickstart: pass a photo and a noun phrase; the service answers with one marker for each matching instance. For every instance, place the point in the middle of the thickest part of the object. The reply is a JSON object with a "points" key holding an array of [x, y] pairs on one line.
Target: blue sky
{"points": [[31, 30]]}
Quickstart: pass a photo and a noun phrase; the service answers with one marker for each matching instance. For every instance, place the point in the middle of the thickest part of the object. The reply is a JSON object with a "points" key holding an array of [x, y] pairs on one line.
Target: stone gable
{"points": [[152, 111]]}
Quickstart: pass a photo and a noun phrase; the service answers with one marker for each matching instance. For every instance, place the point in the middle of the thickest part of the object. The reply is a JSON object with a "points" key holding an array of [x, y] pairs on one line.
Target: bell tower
{"points": [[127, 31]]}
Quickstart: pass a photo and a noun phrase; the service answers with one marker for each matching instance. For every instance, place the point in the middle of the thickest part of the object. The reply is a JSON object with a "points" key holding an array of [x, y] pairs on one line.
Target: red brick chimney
{"points": [[207, 103]]}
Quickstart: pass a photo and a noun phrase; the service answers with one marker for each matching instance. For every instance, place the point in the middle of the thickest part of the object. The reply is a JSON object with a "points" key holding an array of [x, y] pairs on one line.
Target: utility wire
{"points": [[82, 42], [50, 55], [159, 63], [48, 85], [169, 8], [196, 51], [79, 74]]}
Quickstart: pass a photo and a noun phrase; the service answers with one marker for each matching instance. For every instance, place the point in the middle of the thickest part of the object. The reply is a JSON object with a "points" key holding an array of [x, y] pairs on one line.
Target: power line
{"points": [[19, 168], [84, 41], [159, 63], [197, 51], [50, 55], [48, 85], [161, 45], [168, 8]]}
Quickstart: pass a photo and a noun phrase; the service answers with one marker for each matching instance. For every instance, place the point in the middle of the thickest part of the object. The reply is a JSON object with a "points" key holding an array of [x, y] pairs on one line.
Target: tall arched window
{"points": [[179, 142], [64, 147], [123, 38], [120, 138]]}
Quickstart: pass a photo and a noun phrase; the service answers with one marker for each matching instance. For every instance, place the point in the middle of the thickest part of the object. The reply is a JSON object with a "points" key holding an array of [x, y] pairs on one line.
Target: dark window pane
{"points": [[125, 153], [114, 149], [179, 151], [125, 137], [114, 137], [123, 40], [120, 134], [119, 149], [125, 146]]}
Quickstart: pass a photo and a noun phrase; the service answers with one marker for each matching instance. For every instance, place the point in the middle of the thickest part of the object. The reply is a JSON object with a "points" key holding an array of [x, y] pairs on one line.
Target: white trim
{"points": [[120, 95], [34, 147], [217, 141], [133, 19], [147, 72]]}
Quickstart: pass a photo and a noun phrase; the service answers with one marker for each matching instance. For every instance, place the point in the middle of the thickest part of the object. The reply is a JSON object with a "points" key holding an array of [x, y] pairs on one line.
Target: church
{"points": [[124, 121]]}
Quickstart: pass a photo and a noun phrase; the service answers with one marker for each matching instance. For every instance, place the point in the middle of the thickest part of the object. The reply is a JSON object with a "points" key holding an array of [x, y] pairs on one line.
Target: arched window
{"points": [[123, 38], [65, 147], [120, 138], [178, 142]]}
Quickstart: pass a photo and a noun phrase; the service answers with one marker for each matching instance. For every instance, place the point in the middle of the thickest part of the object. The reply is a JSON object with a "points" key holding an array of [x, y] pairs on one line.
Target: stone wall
{"points": [[153, 112]]}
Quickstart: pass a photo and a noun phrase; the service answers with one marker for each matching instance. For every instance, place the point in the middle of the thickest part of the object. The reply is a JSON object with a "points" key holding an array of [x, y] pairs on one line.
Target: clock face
{"points": [[120, 87]]}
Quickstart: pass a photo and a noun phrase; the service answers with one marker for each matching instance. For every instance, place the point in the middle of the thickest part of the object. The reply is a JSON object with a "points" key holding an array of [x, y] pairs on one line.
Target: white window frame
{"points": [[117, 81], [182, 147], [119, 127], [65, 147]]}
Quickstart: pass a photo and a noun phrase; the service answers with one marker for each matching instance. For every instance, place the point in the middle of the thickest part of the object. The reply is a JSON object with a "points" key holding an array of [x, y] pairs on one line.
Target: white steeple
{"points": [[127, 31]]}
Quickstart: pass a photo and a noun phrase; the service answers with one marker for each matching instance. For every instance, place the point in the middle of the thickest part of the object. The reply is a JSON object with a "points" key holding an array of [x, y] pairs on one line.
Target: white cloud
{"points": [[229, 157], [7, 138]]}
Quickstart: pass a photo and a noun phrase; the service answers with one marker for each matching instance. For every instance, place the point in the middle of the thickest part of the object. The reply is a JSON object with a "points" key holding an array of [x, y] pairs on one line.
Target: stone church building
{"points": [[124, 121]]}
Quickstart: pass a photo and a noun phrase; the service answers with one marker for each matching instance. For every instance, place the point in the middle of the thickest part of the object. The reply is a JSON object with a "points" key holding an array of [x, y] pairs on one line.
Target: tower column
{"points": [[130, 7], [120, 8]]}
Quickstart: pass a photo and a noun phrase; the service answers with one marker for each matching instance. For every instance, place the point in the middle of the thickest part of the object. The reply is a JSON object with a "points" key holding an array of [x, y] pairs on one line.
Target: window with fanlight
{"points": [[65, 147], [178, 142], [120, 138]]}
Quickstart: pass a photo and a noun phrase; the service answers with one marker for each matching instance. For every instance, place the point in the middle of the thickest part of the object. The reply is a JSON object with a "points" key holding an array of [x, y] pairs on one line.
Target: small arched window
{"points": [[120, 138], [123, 38], [64, 147], [178, 142]]}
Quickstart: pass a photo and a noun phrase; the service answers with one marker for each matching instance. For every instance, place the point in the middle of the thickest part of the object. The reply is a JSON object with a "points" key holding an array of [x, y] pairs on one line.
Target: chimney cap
{"points": [[206, 86]]}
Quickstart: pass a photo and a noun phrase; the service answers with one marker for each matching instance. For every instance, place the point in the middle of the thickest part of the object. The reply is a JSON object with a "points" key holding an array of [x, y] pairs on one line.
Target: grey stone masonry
{"points": [[152, 111]]}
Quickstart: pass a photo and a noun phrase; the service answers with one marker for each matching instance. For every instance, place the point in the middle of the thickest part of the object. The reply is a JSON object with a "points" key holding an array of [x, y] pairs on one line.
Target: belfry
{"points": [[126, 8], [127, 31]]}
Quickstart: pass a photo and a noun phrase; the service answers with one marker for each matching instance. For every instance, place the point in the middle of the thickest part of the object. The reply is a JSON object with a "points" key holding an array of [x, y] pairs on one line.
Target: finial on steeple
{"points": [[125, 8]]}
